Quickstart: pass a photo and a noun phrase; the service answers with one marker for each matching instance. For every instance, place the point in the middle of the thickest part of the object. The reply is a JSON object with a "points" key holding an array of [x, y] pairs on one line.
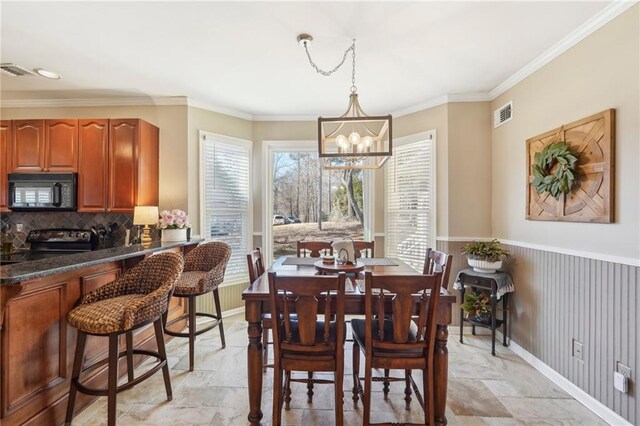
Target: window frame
{"points": [[270, 147], [242, 277], [428, 136]]}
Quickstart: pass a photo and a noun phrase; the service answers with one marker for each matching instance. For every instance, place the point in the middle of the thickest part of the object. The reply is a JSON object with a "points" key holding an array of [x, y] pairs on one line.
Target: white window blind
{"points": [[226, 198], [409, 204]]}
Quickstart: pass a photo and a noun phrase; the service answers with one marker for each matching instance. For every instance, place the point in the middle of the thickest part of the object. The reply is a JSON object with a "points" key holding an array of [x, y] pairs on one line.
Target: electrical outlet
{"points": [[577, 350], [624, 370], [19, 227]]}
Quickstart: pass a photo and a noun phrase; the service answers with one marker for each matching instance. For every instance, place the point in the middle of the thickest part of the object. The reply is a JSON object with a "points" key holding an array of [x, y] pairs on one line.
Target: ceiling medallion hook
{"points": [[368, 145]]}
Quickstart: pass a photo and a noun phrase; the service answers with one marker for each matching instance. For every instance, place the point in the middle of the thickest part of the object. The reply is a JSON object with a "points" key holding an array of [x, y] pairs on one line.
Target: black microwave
{"points": [[43, 191]]}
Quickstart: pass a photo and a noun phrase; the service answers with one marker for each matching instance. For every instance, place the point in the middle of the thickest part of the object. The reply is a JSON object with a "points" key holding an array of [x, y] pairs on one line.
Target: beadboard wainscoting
{"points": [[558, 298], [230, 299]]}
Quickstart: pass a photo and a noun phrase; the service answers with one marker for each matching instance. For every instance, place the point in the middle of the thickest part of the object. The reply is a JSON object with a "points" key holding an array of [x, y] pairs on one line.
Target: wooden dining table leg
{"points": [[441, 373], [253, 315]]}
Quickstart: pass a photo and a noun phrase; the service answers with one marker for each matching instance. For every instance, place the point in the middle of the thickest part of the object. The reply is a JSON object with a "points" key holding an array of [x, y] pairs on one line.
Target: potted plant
{"points": [[174, 225], [477, 306], [485, 256]]}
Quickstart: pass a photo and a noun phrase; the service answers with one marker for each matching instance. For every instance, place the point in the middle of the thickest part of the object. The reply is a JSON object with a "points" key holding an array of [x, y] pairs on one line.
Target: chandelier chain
{"points": [[351, 49]]}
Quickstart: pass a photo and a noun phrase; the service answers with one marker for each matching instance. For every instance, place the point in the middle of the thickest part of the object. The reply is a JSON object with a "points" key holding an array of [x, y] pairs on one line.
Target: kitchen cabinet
{"points": [[5, 139], [118, 165], [133, 165], [93, 165], [61, 146], [27, 146], [44, 146]]}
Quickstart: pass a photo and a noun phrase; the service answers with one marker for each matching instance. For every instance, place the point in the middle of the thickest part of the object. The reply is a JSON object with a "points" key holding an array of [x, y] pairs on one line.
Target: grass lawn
{"points": [[285, 236]]}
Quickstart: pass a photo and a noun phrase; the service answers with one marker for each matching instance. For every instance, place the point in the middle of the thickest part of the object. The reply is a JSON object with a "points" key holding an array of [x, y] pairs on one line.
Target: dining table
{"points": [[256, 298]]}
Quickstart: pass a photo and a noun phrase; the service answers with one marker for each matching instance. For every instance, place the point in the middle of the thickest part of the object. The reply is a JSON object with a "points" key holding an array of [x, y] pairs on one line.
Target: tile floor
{"points": [[483, 390]]}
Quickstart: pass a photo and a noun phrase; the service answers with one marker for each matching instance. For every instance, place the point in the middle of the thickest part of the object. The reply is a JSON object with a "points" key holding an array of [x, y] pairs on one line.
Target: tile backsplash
{"points": [[40, 220]]}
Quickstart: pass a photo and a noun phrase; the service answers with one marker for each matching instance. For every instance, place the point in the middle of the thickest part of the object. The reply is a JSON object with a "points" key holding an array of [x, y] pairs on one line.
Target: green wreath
{"points": [[562, 180]]}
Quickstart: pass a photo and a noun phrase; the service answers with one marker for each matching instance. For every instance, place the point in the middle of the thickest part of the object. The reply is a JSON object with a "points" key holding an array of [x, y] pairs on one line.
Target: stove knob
{"points": [[85, 236]]}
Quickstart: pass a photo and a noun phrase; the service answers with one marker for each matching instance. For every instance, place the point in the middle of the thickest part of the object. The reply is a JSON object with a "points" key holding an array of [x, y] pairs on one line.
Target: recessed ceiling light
{"points": [[48, 74]]}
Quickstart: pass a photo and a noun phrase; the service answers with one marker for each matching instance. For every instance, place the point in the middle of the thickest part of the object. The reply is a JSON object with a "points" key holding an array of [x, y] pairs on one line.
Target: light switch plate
{"points": [[620, 382]]}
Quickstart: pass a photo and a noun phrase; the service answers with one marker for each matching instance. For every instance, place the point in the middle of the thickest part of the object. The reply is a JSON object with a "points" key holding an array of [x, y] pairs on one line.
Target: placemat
{"points": [[377, 261], [300, 261]]}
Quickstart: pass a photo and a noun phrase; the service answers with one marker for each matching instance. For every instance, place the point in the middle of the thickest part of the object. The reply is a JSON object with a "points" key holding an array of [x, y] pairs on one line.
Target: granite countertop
{"points": [[16, 273]]}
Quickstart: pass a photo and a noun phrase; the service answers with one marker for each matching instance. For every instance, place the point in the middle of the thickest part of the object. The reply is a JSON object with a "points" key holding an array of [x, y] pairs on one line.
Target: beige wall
{"points": [[601, 72], [469, 170], [214, 122], [172, 122]]}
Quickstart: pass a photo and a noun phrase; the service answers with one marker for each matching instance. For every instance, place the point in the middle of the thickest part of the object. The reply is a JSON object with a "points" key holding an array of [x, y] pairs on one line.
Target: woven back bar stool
{"points": [[137, 298], [204, 268]]}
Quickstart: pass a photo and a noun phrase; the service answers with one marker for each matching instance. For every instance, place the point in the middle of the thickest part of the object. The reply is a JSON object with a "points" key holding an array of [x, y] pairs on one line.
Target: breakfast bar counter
{"points": [[37, 346]]}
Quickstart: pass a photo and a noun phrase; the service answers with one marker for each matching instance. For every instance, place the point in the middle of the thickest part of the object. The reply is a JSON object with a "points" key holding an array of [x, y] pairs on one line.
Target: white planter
{"points": [[485, 266], [169, 235]]}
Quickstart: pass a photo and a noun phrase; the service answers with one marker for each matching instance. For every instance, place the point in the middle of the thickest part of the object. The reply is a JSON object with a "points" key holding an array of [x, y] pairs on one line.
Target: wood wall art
{"points": [[592, 196]]}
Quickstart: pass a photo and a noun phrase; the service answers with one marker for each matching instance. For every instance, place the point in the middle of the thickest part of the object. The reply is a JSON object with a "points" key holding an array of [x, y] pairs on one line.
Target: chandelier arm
{"points": [[351, 48]]}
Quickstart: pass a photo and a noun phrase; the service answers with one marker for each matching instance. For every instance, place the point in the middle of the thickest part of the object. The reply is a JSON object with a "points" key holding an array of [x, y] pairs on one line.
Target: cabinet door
{"points": [[61, 149], [123, 138], [5, 140], [93, 165], [27, 147]]}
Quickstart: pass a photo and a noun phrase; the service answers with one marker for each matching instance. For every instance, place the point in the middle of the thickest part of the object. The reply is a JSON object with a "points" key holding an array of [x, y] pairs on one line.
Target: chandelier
{"points": [[353, 140]]}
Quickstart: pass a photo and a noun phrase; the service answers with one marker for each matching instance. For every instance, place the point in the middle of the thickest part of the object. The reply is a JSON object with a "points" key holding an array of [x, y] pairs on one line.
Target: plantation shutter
{"points": [[409, 203], [226, 199]]}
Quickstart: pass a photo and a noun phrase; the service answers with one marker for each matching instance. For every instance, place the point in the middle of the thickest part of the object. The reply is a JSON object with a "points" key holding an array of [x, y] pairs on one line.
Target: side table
{"points": [[478, 280]]}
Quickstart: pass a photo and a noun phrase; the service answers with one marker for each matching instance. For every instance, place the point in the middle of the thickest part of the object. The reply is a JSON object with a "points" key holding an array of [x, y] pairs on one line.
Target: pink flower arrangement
{"points": [[174, 219]]}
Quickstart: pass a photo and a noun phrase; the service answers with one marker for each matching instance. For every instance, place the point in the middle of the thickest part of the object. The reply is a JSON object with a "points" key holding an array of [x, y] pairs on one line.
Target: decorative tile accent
{"points": [[40, 220]]}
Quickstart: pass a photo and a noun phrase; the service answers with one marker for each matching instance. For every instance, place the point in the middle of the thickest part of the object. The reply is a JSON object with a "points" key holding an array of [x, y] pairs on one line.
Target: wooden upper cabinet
{"points": [[61, 149], [5, 164], [93, 172], [133, 165], [27, 146]]}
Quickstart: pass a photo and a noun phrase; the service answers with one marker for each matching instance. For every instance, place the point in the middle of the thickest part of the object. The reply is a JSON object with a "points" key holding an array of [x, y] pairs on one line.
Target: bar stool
{"points": [[204, 268], [137, 298]]}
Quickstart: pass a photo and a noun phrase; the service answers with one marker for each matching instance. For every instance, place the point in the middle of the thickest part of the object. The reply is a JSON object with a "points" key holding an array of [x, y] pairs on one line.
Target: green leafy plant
{"points": [[563, 178], [490, 251], [476, 304]]}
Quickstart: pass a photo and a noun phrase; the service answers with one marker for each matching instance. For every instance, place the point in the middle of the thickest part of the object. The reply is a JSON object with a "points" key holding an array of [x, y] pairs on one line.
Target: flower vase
{"points": [[170, 235]]}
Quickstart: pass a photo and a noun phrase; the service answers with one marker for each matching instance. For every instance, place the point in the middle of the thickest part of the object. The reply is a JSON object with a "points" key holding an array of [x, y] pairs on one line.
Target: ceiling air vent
{"points": [[503, 114], [15, 70]]}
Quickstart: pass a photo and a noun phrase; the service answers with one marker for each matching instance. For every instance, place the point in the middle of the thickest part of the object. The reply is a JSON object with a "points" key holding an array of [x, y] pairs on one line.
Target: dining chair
{"points": [[314, 248], [256, 269], [304, 343], [364, 248], [204, 269], [391, 338], [437, 261]]}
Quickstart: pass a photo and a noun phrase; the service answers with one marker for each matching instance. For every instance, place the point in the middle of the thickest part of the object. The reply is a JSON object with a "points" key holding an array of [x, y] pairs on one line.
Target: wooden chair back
{"points": [[255, 264], [314, 248], [437, 261], [394, 296], [364, 248], [307, 297]]}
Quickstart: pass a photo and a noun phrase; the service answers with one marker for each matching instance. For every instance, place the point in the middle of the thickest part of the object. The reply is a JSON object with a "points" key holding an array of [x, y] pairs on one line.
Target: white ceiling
{"points": [[243, 56]]}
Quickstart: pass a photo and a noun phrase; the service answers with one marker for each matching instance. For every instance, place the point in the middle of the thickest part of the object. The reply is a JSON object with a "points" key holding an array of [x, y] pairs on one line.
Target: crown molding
{"points": [[93, 102], [576, 36], [194, 103]]}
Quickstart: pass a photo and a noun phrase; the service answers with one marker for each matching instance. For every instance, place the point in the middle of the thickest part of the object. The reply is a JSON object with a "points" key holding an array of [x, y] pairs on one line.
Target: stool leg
{"points": [[113, 379], [163, 357], [75, 375], [130, 355], [192, 331], [216, 299]]}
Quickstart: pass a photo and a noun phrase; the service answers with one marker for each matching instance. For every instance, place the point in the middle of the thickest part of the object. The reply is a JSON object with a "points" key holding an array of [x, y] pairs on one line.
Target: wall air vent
{"points": [[503, 114], [14, 70]]}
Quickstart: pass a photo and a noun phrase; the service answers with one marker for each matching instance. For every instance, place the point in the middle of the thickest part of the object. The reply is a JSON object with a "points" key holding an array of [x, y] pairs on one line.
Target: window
{"points": [[225, 197], [409, 224]]}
